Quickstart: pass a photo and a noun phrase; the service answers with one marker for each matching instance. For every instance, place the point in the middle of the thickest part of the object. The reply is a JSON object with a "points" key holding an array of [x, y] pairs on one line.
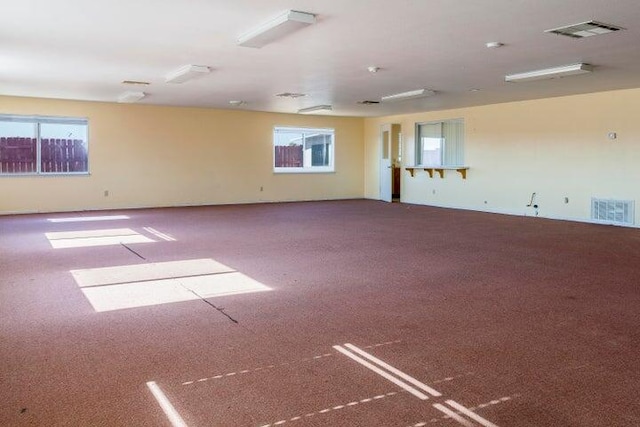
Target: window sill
{"points": [[302, 170], [42, 174], [462, 170]]}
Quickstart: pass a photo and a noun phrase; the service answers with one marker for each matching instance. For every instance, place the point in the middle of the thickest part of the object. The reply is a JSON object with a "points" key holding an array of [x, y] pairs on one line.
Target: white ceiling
{"points": [[79, 49]]}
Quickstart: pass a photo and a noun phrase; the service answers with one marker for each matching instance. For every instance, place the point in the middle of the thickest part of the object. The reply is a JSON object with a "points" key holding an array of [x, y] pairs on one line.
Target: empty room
{"points": [[320, 213]]}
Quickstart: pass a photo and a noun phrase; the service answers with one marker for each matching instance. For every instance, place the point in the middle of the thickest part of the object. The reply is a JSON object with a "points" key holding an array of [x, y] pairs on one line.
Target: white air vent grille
{"points": [[584, 29], [612, 211]]}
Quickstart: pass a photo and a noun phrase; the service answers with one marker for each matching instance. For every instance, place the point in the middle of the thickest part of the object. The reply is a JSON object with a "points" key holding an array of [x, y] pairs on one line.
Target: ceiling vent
{"points": [[609, 211], [367, 102], [135, 82], [290, 95], [584, 29]]}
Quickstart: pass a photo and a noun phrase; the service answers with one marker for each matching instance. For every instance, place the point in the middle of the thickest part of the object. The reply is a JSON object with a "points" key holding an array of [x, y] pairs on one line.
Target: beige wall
{"points": [[168, 156], [555, 147]]}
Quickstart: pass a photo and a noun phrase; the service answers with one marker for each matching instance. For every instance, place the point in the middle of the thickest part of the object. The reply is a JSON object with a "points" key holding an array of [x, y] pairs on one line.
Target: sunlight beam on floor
{"points": [[89, 218], [88, 238], [143, 285]]}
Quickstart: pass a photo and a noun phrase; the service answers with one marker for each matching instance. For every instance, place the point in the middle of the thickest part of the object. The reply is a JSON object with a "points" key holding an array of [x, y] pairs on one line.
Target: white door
{"points": [[386, 171]]}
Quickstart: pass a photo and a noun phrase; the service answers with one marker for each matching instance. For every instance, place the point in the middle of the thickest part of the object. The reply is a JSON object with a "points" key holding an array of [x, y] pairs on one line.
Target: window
{"points": [[303, 150], [440, 143], [43, 145]]}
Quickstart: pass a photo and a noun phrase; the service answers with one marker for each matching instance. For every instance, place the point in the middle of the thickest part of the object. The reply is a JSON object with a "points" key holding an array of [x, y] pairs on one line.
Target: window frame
{"points": [[444, 161], [330, 168], [37, 122]]}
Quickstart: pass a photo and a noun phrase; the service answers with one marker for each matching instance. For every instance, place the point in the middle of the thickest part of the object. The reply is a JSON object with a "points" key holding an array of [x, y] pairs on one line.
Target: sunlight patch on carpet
{"points": [[88, 238], [89, 218], [130, 286]]}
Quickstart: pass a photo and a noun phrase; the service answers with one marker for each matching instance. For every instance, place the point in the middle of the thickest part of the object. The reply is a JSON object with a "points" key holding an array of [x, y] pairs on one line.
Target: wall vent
{"points": [[612, 211]]}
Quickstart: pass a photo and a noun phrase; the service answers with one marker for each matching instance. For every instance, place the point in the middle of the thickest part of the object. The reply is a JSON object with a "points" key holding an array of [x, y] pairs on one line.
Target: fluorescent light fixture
{"points": [[187, 72], [278, 27], [412, 94], [550, 73], [315, 109], [130, 97]]}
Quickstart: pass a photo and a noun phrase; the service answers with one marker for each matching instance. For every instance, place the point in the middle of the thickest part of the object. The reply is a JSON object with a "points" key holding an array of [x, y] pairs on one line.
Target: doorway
{"points": [[390, 162]]}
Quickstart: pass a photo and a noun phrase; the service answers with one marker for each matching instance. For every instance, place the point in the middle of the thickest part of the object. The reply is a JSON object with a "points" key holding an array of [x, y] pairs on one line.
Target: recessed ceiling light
{"points": [[494, 45], [412, 94], [373, 70], [474, 90], [278, 27], [550, 73], [130, 97], [187, 72], [584, 29], [290, 95], [315, 109], [237, 103]]}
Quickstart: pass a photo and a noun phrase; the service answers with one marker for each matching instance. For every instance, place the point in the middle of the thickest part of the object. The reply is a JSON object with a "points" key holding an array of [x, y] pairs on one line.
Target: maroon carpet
{"points": [[516, 321]]}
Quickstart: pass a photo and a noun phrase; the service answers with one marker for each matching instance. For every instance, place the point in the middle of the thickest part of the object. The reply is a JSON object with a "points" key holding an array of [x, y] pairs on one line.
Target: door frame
{"points": [[388, 159]]}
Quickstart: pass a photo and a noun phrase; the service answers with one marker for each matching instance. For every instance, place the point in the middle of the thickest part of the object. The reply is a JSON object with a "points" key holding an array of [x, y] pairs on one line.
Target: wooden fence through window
{"points": [[18, 155], [288, 156]]}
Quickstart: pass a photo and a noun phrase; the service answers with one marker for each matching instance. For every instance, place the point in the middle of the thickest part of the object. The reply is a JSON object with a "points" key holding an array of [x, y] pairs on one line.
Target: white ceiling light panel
{"points": [[130, 97], [315, 109], [412, 94], [280, 26], [187, 72], [550, 73]]}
